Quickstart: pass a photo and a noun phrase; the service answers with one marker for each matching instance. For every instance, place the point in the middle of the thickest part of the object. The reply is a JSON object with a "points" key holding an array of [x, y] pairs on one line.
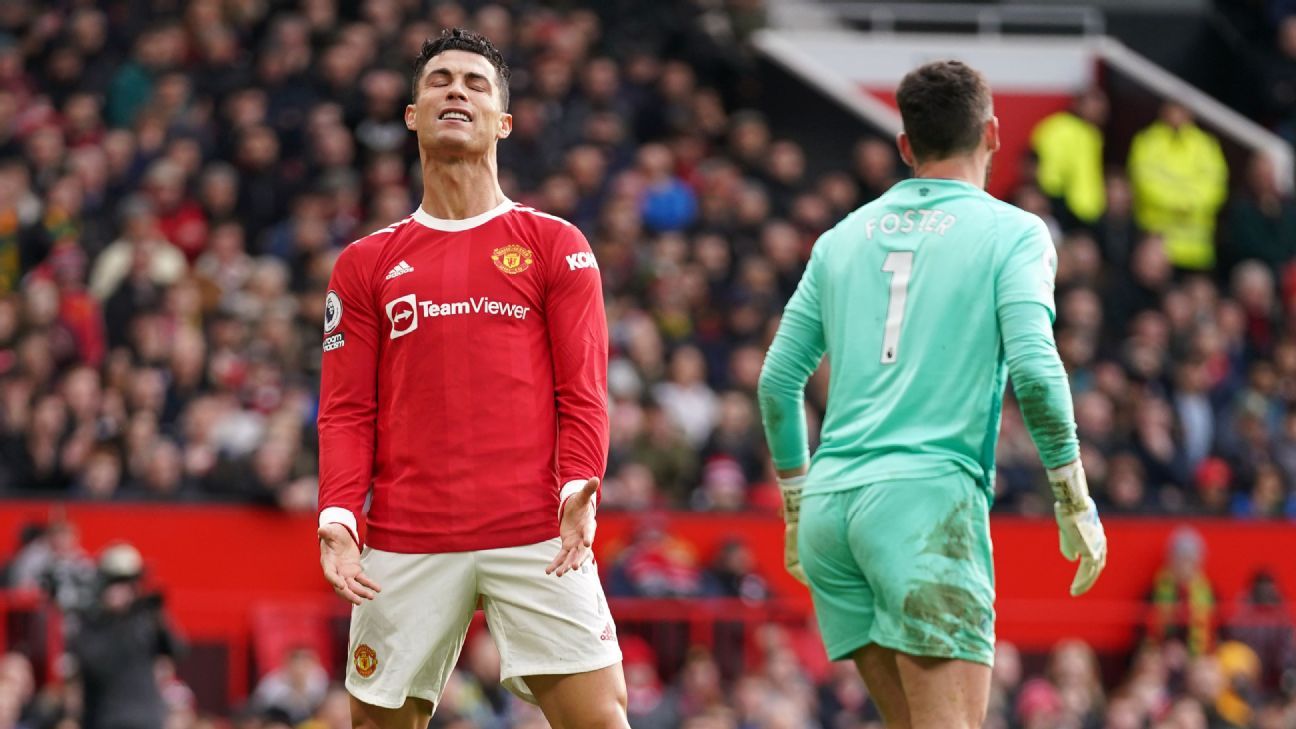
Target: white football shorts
{"points": [[406, 641]]}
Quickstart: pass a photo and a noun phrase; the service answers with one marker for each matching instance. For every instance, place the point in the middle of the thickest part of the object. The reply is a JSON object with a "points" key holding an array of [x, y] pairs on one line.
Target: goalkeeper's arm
{"points": [[1044, 396], [794, 354]]}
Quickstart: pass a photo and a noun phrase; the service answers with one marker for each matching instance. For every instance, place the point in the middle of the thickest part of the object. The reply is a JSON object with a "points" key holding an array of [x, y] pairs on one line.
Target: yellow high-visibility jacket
{"points": [[1180, 180], [1070, 163]]}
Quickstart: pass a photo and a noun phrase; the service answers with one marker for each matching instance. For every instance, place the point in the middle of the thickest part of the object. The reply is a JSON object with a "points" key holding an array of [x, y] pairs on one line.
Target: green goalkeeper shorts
{"points": [[904, 564]]}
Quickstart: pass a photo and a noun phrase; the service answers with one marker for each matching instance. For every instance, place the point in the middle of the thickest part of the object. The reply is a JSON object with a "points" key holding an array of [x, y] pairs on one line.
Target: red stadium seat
{"points": [[280, 626]]}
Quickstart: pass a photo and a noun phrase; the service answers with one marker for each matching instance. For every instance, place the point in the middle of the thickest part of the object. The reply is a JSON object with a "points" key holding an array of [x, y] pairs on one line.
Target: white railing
{"points": [[1216, 115], [987, 19]]}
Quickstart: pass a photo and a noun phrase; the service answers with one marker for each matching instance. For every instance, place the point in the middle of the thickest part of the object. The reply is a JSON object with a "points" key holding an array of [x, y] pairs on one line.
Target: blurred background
{"points": [[177, 178]]}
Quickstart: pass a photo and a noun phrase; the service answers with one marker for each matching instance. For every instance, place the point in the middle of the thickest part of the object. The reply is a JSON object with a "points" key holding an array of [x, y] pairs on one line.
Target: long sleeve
{"points": [[348, 392], [578, 340], [1040, 382], [794, 354], [1024, 304]]}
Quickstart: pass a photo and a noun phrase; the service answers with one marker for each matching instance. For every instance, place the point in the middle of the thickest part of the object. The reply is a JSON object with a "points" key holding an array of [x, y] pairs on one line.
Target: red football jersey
{"points": [[464, 378]]}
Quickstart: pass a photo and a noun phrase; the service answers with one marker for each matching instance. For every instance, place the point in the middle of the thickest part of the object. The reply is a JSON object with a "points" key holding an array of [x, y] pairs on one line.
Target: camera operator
{"points": [[117, 642]]}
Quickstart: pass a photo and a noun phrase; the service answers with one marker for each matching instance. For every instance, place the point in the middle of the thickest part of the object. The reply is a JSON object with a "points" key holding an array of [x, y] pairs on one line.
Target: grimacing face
{"points": [[456, 109]]}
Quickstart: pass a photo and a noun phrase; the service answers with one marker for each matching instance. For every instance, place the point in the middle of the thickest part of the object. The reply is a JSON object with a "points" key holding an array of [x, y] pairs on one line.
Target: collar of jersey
{"points": [[422, 217], [936, 180]]}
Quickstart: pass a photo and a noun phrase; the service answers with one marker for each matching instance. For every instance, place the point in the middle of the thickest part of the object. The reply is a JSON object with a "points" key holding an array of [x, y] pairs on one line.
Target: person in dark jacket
{"points": [[115, 644]]}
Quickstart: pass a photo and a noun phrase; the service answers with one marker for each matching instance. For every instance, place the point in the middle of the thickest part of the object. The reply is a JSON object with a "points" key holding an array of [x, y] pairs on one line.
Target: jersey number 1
{"points": [[899, 264]]}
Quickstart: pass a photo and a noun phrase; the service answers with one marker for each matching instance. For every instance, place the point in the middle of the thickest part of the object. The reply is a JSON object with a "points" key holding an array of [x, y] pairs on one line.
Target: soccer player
{"points": [[464, 393], [920, 299]]}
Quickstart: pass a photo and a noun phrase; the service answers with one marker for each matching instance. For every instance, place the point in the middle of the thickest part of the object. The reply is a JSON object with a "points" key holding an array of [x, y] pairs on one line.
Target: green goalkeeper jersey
{"points": [[905, 297]]}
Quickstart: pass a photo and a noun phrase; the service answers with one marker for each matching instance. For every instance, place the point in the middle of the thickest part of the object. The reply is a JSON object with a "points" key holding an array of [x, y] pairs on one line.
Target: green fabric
{"points": [[1268, 236], [10, 252], [1040, 382], [903, 564], [915, 390], [1070, 163], [128, 92], [1180, 179]]}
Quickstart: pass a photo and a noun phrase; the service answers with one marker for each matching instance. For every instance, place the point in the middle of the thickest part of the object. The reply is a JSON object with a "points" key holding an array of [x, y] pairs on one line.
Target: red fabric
{"points": [[79, 312], [466, 422], [186, 228]]}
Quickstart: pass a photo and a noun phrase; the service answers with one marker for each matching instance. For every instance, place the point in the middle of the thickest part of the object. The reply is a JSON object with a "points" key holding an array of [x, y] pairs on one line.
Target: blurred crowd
{"points": [[1174, 319], [783, 683], [177, 178], [175, 185]]}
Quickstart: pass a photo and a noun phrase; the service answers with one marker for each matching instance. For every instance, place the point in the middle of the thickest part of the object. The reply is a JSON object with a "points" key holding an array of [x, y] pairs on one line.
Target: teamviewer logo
{"points": [[403, 313]]}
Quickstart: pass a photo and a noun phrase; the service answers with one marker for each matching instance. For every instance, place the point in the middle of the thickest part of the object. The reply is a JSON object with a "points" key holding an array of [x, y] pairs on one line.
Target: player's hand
{"points": [[576, 529], [340, 559], [790, 488], [1080, 533], [1081, 536]]}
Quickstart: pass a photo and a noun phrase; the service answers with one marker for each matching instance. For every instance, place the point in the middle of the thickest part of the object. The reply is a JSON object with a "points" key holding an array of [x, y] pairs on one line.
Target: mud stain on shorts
{"points": [[936, 614], [953, 536]]}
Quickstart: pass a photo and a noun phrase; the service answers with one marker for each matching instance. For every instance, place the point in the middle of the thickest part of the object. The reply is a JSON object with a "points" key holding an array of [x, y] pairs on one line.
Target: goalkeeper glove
{"points": [[791, 490], [1080, 533]]}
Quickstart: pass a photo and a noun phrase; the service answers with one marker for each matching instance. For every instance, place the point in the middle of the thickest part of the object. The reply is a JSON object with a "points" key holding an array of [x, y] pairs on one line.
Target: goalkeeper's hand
{"points": [[791, 490], [1080, 533]]}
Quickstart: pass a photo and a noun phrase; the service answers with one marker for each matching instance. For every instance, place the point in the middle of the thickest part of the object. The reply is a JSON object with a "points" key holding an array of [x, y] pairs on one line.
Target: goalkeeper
{"points": [[924, 301]]}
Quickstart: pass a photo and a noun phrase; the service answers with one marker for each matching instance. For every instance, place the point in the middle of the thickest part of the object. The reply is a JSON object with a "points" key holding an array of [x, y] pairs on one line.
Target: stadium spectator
{"points": [[654, 564], [18, 700], [1180, 180], [51, 558], [295, 688], [1261, 221], [332, 713], [116, 643], [1182, 598], [661, 446], [723, 487], [1116, 230], [646, 706], [1073, 671], [482, 699], [685, 397], [734, 573], [1279, 77], [1005, 683], [1069, 147], [1241, 671], [141, 252], [699, 689], [876, 167], [1262, 620]]}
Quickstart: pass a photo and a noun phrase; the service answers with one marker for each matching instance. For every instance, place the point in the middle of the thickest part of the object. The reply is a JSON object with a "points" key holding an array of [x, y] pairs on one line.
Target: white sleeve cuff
{"points": [[571, 487], [792, 482], [1069, 484], [338, 515]]}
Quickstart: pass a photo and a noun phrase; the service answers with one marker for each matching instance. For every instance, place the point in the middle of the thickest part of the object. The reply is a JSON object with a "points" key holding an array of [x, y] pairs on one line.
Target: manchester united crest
{"points": [[512, 259], [366, 661]]}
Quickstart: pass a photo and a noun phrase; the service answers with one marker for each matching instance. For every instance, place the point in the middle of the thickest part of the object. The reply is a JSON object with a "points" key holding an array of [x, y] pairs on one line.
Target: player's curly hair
{"points": [[460, 39], [944, 105]]}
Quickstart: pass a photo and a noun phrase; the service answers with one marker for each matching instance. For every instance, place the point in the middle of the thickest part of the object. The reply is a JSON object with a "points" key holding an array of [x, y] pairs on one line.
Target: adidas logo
{"points": [[399, 269], [609, 633]]}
